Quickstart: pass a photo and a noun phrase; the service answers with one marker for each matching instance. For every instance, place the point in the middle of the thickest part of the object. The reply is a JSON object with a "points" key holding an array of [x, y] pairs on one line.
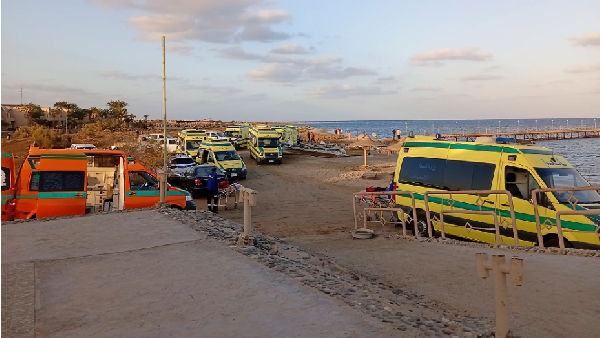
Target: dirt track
{"points": [[307, 201]]}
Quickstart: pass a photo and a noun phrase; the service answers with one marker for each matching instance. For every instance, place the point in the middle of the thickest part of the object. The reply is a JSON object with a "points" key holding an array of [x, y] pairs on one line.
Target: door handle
{"points": [[78, 194], [132, 193], [504, 204], [487, 201]]}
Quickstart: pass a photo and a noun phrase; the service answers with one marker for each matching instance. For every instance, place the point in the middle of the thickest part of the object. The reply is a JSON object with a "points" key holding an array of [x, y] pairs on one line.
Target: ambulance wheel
{"points": [[422, 228], [553, 243], [258, 161]]}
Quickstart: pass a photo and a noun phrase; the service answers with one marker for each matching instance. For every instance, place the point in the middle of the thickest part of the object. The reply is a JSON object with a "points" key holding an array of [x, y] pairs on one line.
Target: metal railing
{"points": [[572, 200], [480, 202], [377, 206]]}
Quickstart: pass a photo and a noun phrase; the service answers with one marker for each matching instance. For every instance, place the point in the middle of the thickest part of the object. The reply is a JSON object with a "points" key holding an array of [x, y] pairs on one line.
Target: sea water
{"points": [[584, 154]]}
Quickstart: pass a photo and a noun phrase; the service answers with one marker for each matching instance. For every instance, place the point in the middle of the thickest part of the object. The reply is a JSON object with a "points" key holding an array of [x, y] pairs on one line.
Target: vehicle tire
{"points": [[422, 228], [553, 243], [258, 161]]}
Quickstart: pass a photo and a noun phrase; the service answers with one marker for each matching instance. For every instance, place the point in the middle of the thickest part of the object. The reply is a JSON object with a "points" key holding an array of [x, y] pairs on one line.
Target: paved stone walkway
{"points": [[144, 274]]}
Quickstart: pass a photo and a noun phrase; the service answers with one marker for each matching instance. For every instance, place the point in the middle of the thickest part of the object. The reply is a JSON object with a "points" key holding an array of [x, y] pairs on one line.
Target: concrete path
{"points": [[143, 274]]}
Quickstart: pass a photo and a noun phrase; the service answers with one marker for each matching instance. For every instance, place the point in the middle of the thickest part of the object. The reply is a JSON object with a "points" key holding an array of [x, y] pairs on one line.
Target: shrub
{"points": [[25, 131]]}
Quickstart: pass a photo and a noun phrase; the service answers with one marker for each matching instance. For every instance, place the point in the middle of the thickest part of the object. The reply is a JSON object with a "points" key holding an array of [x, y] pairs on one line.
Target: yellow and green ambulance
{"points": [[222, 154], [238, 135], [189, 141], [265, 146], [426, 163]]}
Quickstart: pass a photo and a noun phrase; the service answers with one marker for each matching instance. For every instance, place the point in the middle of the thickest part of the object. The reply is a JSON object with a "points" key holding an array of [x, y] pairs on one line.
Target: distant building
{"points": [[13, 117]]}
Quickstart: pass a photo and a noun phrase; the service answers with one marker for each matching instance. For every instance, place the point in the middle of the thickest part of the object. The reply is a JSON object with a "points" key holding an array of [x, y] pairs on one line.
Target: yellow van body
{"points": [[189, 140], [238, 135], [426, 164], [265, 146], [222, 154]]}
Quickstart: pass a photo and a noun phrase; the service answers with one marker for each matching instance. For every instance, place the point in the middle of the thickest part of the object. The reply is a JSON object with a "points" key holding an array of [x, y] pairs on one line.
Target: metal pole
{"points": [[21, 95], [500, 296], [247, 214], [163, 187]]}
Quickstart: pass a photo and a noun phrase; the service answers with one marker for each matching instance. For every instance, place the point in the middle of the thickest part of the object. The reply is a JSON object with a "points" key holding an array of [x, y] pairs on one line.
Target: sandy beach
{"points": [[307, 201]]}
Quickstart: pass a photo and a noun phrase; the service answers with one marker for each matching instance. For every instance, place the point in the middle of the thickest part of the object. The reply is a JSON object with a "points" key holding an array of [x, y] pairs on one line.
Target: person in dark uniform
{"points": [[212, 186], [393, 134]]}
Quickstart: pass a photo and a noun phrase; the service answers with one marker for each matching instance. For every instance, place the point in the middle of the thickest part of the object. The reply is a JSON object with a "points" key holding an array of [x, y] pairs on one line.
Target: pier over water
{"points": [[533, 134]]}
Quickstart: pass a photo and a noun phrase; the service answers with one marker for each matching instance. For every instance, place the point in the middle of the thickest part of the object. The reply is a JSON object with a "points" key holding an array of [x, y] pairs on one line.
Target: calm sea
{"points": [[584, 154]]}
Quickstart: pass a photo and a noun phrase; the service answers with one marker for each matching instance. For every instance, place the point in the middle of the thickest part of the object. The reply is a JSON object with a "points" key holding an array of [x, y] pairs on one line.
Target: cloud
{"points": [[425, 89], [262, 34], [481, 77], [583, 68], [335, 91], [48, 88], [491, 69], [217, 21], [238, 53], [386, 80], [329, 73], [118, 75], [589, 39], [292, 49], [275, 73], [285, 68], [179, 48], [445, 54], [222, 90]]}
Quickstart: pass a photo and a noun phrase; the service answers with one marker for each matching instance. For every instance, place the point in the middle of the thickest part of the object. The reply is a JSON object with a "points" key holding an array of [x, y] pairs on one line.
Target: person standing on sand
{"points": [[349, 135], [393, 134], [398, 134], [212, 185], [308, 136]]}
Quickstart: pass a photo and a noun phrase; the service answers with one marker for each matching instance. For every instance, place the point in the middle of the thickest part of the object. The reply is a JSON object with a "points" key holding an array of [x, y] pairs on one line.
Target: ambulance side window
{"points": [[5, 178], [141, 180], [34, 183], [210, 157], [59, 181]]}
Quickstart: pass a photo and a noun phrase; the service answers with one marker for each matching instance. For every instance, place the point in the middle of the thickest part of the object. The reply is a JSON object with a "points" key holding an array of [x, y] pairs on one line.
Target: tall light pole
{"points": [[552, 124], [567, 123], [163, 186], [536, 126], [406, 125], [518, 125]]}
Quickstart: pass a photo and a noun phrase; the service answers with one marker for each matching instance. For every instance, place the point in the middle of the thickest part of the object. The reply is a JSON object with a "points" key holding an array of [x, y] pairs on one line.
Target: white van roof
{"points": [[83, 146]]}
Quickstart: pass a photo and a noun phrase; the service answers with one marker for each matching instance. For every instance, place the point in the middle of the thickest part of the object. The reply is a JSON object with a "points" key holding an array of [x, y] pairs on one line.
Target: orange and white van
{"points": [[8, 186], [60, 182]]}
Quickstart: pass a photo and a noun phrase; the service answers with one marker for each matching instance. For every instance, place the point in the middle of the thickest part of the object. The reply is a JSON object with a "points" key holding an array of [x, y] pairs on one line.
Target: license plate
{"points": [[233, 174], [270, 161]]}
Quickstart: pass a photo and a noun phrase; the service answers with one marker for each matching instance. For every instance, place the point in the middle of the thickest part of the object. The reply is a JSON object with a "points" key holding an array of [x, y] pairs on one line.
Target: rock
{"points": [[388, 309]]}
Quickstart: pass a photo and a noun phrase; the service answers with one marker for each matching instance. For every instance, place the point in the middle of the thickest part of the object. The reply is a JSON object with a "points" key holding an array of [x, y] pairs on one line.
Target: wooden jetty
{"points": [[559, 134]]}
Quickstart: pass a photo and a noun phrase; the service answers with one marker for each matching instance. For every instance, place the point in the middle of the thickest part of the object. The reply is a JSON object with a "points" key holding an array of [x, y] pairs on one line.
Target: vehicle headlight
{"points": [[188, 198]]}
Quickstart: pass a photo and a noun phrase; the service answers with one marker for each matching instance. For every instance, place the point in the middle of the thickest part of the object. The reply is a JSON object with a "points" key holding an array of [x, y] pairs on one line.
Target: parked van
{"points": [[238, 135], [60, 182], [214, 135], [8, 186], [82, 146], [171, 144], [222, 154], [426, 163], [265, 146], [189, 140]]}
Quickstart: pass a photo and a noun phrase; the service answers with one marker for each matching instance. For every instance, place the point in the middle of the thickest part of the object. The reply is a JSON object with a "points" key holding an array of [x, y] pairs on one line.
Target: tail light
{"points": [[198, 181], [12, 204]]}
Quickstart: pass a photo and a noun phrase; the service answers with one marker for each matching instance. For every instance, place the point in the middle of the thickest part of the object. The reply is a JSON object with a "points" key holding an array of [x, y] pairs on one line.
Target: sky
{"points": [[308, 60]]}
